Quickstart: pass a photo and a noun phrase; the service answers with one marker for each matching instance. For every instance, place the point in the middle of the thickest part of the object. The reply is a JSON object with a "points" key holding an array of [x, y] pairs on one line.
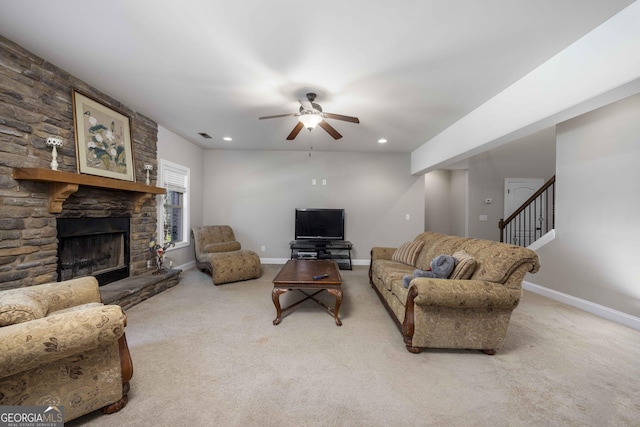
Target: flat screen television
{"points": [[319, 224]]}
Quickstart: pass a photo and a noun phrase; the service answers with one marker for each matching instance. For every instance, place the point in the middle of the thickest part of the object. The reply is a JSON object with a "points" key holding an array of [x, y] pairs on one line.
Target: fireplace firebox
{"points": [[96, 247]]}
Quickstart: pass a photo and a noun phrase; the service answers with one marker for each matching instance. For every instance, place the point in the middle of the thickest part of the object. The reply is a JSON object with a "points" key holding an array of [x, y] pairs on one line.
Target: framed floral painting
{"points": [[103, 139]]}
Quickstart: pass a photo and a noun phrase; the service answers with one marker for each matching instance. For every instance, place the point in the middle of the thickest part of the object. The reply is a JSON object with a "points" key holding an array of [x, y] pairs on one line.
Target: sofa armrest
{"points": [[30, 344], [464, 294], [69, 293], [381, 253]]}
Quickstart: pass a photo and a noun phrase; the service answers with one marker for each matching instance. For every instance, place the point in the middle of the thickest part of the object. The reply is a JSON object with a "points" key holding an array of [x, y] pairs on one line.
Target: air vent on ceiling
{"points": [[204, 135]]}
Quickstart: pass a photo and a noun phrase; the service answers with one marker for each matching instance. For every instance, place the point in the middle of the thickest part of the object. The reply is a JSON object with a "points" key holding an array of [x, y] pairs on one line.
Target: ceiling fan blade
{"points": [[330, 130], [277, 115], [296, 130], [306, 104], [341, 117]]}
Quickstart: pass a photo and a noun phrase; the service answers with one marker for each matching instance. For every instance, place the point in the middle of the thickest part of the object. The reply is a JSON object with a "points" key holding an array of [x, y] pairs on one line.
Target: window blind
{"points": [[175, 179]]}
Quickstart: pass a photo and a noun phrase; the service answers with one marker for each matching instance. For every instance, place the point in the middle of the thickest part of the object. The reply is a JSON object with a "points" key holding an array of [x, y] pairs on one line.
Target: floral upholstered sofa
{"points": [[60, 346], [470, 309]]}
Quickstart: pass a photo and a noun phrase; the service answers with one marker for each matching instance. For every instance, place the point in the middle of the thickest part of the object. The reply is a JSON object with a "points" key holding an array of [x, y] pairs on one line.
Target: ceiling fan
{"points": [[310, 115]]}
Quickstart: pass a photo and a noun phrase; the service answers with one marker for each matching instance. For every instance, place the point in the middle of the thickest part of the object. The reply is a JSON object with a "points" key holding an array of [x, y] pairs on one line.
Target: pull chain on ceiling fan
{"points": [[311, 115]]}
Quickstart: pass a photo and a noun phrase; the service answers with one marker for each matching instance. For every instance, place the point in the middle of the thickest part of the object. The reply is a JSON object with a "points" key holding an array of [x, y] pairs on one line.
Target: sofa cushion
{"points": [[222, 247], [233, 266], [465, 267], [75, 308], [397, 288], [436, 244], [408, 252], [202, 236], [18, 306], [386, 271]]}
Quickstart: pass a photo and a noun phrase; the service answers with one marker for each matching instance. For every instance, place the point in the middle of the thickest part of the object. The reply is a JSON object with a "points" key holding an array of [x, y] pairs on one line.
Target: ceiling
{"points": [[406, 69]]}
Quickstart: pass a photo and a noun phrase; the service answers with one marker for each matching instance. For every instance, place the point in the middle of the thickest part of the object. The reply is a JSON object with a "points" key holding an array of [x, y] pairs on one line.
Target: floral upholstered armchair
{"points": [[219, 253], [60, 346]]}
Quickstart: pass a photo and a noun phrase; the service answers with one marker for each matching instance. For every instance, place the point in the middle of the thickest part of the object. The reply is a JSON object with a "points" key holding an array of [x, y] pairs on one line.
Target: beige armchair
{"points": [[219, 253], [60, 346]]}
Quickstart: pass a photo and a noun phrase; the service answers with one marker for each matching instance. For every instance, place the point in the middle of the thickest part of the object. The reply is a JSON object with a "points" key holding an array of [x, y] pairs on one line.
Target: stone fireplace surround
{"points": [[35, 103]]}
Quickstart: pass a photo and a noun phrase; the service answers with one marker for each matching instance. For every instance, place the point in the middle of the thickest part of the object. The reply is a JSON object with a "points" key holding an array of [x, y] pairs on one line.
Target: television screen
{"points": [[319, 224]]}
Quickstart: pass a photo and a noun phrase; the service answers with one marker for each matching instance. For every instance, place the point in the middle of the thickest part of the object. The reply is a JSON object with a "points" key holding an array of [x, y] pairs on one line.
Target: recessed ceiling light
{"points": [[382, 140], [228, 138]]}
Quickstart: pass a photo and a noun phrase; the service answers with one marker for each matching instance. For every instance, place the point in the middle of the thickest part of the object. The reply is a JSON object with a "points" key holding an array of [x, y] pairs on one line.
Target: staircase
{"points": [[534, 219]]}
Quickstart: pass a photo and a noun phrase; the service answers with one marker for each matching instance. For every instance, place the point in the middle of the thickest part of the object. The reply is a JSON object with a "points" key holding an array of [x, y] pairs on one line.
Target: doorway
{"points": [[516, 192]]}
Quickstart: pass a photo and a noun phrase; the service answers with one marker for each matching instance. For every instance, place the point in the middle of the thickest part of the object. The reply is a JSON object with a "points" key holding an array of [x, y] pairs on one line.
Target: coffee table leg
{"points": [[275, 295], [338, 294]]}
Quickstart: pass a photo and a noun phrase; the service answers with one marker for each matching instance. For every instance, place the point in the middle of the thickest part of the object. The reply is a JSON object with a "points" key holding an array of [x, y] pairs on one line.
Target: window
{"points": [[173, 212]]}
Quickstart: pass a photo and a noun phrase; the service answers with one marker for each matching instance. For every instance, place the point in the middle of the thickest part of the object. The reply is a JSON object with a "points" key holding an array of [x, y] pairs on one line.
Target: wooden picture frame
{"points": [[103, 139]]}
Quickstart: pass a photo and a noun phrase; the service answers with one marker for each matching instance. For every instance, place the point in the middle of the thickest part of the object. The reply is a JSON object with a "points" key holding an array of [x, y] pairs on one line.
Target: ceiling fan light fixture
{"points": [[311, 115], [310, 120]]}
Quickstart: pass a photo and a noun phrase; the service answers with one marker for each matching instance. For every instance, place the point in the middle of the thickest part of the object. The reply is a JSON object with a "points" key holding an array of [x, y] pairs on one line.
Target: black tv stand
{"points": [[338, 250]]}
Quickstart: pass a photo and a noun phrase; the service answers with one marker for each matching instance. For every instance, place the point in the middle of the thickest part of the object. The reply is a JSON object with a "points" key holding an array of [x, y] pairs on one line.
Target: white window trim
{"points": [[165, 167]]}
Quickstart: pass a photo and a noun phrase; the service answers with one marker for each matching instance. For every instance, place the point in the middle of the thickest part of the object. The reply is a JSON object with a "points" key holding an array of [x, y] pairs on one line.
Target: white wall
{"points": [[595, 254], [256, 192], [600, 68], [460, 203], [533, 156], [446, 202], [455, 199], [178, 150], [437, 201]]}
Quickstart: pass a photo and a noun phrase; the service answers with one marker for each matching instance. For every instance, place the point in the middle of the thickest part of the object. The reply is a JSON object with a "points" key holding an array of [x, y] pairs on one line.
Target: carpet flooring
{"points": [[209, 355]]}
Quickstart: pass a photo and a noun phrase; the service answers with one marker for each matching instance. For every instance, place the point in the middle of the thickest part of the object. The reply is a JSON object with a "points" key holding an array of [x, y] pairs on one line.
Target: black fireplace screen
{"points": [[93, 247]]}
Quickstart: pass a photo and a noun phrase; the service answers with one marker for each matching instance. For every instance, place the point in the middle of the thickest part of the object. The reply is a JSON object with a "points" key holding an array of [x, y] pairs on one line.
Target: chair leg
{"points": [[116, 406], [126, 367]]}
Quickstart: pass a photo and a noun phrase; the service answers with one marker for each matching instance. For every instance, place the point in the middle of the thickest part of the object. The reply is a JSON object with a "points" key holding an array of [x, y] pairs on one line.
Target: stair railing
{"points": [[533, 219]]}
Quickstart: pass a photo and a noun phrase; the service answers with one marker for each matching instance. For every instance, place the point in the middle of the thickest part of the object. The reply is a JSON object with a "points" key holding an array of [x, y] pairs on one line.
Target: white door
{"points": [[522, 231]]}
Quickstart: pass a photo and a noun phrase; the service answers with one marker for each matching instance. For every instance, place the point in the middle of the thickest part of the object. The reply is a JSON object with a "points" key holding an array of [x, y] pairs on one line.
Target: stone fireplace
{"points": [[93, 246], [36, 103]]}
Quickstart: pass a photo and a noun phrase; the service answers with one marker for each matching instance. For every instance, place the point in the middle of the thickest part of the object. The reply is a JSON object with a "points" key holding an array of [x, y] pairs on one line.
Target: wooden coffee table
{"points": [[299, 275]]}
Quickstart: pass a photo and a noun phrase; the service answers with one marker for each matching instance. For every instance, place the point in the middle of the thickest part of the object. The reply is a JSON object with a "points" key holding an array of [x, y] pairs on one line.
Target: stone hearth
{"points": [[133, 290]]}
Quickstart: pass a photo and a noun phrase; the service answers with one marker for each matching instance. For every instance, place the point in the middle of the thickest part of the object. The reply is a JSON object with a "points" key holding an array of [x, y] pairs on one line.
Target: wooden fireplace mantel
{"points": [[64, 184]]}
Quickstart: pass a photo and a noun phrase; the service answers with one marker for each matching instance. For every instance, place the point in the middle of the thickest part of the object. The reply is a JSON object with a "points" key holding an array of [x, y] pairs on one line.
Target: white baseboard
{"points": [[273, 260], [588, 306], [284, 260], [187, 266]]}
